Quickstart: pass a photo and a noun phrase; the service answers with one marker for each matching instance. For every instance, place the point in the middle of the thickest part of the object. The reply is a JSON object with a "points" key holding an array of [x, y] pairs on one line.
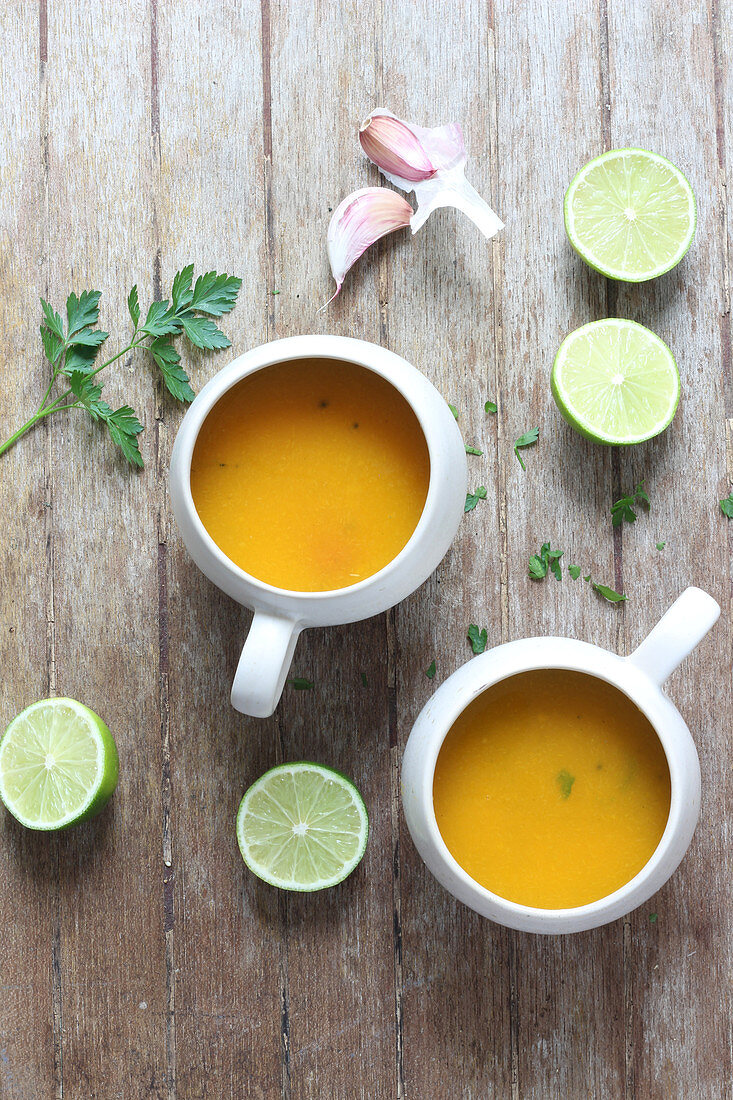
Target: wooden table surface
{"points": [[138, 956]]}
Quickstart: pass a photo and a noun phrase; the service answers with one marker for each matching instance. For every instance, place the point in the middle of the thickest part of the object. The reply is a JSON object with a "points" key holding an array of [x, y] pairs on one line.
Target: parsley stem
{"points": [[57, 405]]}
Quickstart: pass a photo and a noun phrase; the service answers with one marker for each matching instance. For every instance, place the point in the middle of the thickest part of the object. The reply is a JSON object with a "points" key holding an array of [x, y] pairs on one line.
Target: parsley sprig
{"points": [[527, 440], [72, 350], [623, 509]]}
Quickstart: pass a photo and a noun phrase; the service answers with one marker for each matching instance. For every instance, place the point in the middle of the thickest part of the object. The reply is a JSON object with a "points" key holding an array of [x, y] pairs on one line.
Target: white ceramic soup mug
{"points": [[640, 677], [279, 614]]}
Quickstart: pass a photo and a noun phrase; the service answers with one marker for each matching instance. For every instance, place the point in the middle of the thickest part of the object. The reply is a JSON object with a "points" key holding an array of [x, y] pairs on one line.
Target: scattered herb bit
{"points": [[453, 409], [565, 782], [623, 509], [274, 292], [472, 499], [430, 671], [72, 349], [364, 679], [652, 918], [609, 594], [546, 559], [490, 407], [477, 638], [526, 440], [587, 578], [574, 571], [726, 506], [300, 683], [473, 451], [661, 545]]}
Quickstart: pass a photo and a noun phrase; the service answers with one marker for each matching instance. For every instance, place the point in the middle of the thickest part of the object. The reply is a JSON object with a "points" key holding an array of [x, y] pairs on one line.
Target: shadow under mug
{"points": [[280, 614], [640, 677]]}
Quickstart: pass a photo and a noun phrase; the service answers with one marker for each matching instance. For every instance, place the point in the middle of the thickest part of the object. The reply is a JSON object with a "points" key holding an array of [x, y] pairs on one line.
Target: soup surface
{"points": [[552, 789], [311, 475]]}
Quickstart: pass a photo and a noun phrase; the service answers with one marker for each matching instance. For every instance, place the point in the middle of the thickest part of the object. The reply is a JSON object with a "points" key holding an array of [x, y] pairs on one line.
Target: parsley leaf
{"points": [[472, 499], [574, 571], [490, 407], [430, 671], [174, 376], [526, 440], [124, 427], [215, 294], [546, 559], [609, 594], [300, 683], [53, 344], [661, 545], [133, 306], [82, 311], [477, 638], [161, 320], [652, 918], [565, 782], [53, 321], [182, 292], [453, 409], [623, 509], [202, 332], [473, 450], [726, 506]]}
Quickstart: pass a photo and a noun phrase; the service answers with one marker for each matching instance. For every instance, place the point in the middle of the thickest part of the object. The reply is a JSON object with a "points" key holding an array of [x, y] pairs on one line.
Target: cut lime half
{"points": [[630, 214], [58, 764], [615, 382], [302, 827]]}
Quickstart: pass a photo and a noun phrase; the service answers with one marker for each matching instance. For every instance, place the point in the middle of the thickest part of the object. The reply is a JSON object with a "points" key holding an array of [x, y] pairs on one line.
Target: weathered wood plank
{"points": [[682, 962], [104, 563], [340, 990], [570, 991], [443, 313], [29, 991], [223, 926]]}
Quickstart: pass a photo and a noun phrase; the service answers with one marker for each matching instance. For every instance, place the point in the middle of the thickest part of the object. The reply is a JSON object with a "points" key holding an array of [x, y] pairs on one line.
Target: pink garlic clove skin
{"points": [[392, 146], [361, 219], [442, 147]]}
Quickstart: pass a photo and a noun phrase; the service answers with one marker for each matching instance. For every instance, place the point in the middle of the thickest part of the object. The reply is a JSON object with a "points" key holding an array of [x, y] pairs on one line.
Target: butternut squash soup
{"points": [[552, 789], [311, 474]]}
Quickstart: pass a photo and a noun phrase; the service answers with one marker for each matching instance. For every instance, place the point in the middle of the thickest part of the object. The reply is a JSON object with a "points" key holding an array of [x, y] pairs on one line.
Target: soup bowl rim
{"points": [[437, 522], [504, 662]]}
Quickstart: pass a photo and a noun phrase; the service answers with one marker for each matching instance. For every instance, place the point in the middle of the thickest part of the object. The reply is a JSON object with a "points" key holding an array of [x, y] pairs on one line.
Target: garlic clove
{"points": [[361, 219], [391, 145], [444, 149]]}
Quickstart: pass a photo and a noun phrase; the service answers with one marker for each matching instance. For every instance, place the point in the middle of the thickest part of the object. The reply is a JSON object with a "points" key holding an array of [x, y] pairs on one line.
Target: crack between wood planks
{"points": [[266, 47], [508, 937], [618, 554], [726, 336], [163, 602], [57, 1014]]}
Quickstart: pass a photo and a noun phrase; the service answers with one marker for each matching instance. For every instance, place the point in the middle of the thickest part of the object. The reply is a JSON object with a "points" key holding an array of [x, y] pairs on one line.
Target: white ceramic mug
{"points": [[280, 614], [640, 677]]}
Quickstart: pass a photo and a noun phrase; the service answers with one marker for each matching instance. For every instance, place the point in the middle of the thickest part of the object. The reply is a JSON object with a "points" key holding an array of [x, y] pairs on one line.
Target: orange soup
{"points": [[311, 475], [552, 789]]}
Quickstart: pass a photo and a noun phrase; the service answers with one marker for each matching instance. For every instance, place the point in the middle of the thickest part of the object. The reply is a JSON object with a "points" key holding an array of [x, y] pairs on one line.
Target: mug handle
{"points": [[264, 664], [676, 634]]}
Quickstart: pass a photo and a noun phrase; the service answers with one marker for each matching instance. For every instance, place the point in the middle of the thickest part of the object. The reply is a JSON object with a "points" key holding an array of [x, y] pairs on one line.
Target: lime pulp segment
{"points": [[630, 214], [302, 827], [616, 382], [58, 764]]}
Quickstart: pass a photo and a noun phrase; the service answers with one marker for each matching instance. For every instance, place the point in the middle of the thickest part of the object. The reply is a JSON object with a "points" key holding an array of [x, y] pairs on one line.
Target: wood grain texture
{"points": [[138, 957]]}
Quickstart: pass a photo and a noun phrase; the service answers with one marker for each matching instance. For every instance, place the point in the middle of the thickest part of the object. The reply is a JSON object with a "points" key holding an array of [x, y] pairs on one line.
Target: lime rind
{"points": [[616, 382], [58, 765], [302, 827], [630, 180]]}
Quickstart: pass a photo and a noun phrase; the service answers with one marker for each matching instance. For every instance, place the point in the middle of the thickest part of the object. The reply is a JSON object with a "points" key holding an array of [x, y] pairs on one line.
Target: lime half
{"points": [[302, 827], [58, 764], [615, 382], [630, 214]]}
